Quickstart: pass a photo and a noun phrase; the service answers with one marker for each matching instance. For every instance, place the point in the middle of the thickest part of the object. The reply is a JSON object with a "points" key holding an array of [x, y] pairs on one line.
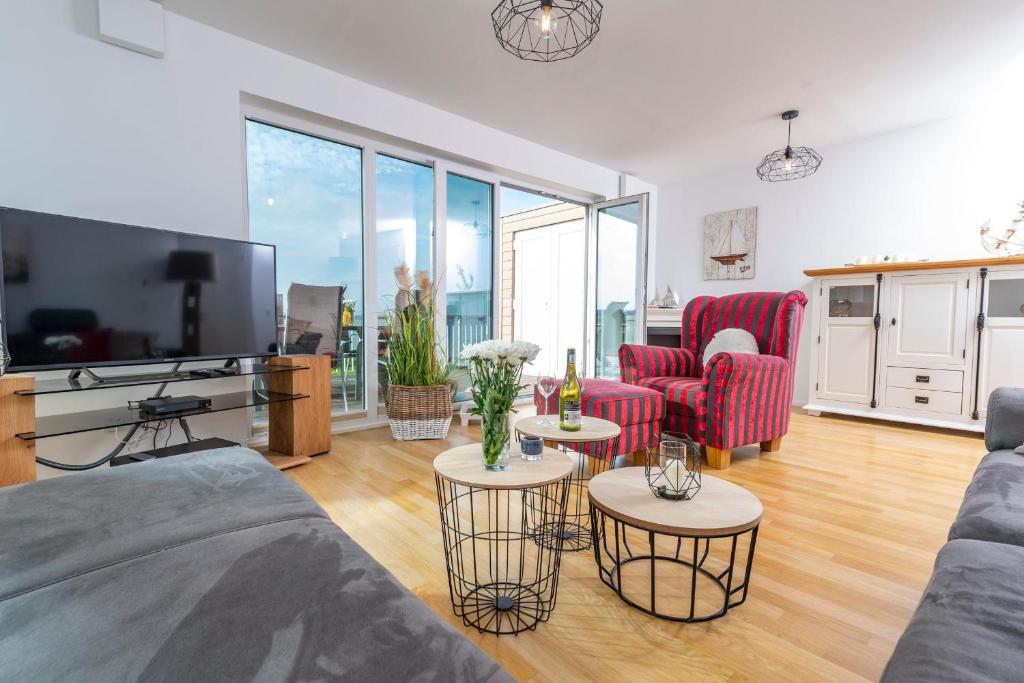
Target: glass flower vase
{"points": [[497, 436]]}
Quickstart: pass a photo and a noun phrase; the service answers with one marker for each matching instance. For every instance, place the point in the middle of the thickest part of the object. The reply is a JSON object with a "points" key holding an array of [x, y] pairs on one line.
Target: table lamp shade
{"points": [[192, 266]]}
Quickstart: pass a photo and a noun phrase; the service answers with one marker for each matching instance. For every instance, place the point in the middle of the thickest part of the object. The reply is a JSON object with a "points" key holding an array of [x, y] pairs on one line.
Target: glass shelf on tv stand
{"points": [[106, 418], [67, 385]]}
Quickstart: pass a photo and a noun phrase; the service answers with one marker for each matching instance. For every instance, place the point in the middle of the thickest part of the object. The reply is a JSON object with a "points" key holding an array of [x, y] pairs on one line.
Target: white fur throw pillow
{"points": [[730, 340]]}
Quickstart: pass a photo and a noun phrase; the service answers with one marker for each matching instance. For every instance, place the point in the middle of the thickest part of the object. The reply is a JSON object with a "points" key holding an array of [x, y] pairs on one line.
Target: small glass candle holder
{"points": [[673, 470], [532, 448]]}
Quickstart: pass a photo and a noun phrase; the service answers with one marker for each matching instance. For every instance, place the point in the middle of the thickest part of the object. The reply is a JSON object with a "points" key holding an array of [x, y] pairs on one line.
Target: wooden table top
{"points": [[464, 465], [719, 508], [594, 429]]}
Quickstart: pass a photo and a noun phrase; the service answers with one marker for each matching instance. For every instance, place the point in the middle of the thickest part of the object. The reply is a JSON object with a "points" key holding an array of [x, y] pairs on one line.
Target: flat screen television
{"points": [[84, 293]]}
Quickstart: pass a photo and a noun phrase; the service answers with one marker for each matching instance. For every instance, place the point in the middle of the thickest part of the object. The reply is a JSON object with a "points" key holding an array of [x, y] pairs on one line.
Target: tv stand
{"points": [[298, 400]]}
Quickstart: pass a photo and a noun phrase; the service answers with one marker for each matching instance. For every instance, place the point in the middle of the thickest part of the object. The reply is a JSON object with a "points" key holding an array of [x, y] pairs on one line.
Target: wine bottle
{"points": [[569, 398]]}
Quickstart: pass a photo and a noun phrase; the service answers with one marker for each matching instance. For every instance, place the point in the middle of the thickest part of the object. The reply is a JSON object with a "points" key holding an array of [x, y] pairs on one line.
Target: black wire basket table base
{"points": [[574, 534], [500, 578], [640, 572], [657, 557]]}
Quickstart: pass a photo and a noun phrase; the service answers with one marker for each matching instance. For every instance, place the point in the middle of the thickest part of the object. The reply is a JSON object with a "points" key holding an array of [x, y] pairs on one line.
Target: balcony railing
{"points": [[464, 330]]}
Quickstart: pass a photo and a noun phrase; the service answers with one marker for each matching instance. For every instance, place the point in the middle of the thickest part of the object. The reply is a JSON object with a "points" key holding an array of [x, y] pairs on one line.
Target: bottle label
{"points": [[571, 415]]}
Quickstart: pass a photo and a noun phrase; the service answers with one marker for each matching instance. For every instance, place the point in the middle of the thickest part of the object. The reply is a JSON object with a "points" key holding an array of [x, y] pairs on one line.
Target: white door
{"points": [[550, 292], [846, 341], [927, 319], [1002, 339]]}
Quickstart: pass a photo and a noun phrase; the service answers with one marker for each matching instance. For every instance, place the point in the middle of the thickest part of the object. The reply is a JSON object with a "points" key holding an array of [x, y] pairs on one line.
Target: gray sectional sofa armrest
{"points": [[1004, 423]]}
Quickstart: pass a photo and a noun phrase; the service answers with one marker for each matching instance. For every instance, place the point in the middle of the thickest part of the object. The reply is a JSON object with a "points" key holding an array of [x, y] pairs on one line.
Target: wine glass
{"points": [[546, 385]]}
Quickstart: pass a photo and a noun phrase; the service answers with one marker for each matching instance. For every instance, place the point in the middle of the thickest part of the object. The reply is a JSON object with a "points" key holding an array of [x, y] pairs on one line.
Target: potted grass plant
{"points": [[419, 394]]}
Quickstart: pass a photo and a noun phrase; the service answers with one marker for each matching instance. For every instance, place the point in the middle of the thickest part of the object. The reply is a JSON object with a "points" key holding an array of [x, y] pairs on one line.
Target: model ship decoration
{"points": [[732, 253], [730, 239], [670, 300], [1009, 244]]}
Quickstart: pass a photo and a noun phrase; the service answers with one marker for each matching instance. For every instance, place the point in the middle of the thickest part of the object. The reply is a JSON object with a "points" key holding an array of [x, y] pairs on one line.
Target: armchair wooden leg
{"points": [[638, 458], [772, 446], [718, 458]]}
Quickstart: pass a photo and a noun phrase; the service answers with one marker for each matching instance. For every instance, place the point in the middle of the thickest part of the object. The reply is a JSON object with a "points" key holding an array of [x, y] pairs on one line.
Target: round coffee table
{"points": [[500, 579], [672, 559], [574, 535]]}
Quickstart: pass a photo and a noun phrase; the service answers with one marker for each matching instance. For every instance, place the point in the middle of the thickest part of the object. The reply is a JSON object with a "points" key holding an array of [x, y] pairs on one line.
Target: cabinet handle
{"points": [[920, 399], [923, 379], [894, 321]]}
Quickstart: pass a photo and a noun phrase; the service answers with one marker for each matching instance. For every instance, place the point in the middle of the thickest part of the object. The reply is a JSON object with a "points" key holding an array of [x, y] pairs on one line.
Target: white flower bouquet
{"points": [[496, 369]]}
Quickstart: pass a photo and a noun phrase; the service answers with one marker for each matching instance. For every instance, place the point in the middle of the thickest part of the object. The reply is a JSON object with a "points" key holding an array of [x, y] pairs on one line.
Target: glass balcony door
{"points": [[468, 277], [405, 231], [620, 281], [305, 196]]}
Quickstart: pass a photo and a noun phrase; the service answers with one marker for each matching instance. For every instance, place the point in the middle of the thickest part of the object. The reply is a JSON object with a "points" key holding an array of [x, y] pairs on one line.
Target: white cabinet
{"points": [[846, 371], [928, 361], [1002, 337], [928, 319]]}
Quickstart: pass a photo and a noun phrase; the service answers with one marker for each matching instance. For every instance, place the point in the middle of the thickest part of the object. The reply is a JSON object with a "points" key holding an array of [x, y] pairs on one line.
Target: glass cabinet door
{"points": [[1006, 297], [1002, 339], [846, 340], [851, 301]]}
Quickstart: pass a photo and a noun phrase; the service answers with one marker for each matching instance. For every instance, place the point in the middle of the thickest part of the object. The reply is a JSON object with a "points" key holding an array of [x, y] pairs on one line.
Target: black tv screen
{"points": [[83, 293]]}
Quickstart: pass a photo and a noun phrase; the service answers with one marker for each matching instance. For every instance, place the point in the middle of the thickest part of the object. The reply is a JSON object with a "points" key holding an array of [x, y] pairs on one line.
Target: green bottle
{"points": [[569, 403]]}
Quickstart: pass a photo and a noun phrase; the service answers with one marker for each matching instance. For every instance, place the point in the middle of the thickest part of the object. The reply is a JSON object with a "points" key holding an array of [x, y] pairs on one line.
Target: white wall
{"points": [[924, 190], [98, 131]]}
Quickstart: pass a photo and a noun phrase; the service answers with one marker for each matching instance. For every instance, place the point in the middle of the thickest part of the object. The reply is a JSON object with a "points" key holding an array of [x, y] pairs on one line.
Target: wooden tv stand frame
{"points": [[298, 429]]}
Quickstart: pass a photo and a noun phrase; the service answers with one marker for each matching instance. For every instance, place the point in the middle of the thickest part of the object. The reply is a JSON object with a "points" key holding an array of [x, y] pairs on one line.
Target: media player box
{"points": [[156, 407]]}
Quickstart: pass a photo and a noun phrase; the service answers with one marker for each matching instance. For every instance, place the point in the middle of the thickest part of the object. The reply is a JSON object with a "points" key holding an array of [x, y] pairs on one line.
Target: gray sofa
{"points": [[214, 567], [970, 623]]}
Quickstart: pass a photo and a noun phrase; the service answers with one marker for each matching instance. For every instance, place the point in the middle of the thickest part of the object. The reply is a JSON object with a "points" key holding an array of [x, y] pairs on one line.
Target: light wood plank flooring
{"points": [[855, 512]]}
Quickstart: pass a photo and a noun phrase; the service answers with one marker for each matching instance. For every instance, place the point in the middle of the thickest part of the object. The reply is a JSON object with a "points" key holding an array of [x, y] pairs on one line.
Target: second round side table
{"points": [[574, 535], [685, 560]]}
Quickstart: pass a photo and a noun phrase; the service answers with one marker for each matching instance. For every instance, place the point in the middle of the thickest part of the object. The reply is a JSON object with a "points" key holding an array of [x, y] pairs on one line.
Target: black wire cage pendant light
{"points": [[790, 163], [546, 30]]}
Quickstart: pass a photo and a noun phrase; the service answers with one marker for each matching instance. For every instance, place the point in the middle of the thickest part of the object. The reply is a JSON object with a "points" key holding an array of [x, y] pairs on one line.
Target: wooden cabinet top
{"points": [[917, 265]]}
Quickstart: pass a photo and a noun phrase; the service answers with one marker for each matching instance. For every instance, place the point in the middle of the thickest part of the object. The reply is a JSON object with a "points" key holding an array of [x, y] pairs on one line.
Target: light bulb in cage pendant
{"points": [[546, 23], [788, 161]]}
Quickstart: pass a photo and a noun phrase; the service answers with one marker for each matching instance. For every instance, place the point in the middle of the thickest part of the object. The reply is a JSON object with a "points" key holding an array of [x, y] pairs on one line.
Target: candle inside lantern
{"points": [[675, 473]]}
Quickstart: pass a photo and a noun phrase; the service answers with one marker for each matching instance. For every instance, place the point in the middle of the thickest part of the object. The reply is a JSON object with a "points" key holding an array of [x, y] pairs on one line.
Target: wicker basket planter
{"points": [[419, 412]]}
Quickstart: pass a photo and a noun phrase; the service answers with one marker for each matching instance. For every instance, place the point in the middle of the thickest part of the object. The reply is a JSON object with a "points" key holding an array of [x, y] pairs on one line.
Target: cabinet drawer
{"points": [[922, 399], [921, 378]]}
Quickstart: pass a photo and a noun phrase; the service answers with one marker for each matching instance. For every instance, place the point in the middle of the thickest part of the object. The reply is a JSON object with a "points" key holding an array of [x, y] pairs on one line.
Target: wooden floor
{"points": [[855, 512]]}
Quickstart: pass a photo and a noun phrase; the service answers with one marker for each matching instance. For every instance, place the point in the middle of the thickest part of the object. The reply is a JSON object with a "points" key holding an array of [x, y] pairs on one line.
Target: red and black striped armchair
{"points": [[738, 398]]}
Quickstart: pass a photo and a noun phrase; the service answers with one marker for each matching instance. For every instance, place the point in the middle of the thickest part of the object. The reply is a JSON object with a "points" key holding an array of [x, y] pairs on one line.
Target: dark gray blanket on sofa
{"points": [[211, 566]]}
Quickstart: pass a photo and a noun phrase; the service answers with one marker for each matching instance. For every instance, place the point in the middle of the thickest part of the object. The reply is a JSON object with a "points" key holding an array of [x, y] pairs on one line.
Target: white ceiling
{"points": [[670, 88]]}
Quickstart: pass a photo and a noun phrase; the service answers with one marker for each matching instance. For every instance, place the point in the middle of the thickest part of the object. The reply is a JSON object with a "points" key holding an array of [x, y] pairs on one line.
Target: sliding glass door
{"points": [[620, 272], [469, 268], [405, 231], [306, 197]]}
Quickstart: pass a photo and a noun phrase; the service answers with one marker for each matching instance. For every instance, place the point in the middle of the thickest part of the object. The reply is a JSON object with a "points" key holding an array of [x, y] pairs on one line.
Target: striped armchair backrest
{"points": [[774, 318], [694, 316]]}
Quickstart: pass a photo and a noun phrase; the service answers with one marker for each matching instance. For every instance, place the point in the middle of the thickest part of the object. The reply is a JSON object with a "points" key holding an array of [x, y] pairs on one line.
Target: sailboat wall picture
{"points": [[730, 241]]}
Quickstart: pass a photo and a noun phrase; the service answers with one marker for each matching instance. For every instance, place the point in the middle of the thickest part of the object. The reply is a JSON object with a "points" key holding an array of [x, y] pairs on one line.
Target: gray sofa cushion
{"points": [[968, 626], [211, 566], [60, 527], [993, 507], [291, 600], [1004, 419]]}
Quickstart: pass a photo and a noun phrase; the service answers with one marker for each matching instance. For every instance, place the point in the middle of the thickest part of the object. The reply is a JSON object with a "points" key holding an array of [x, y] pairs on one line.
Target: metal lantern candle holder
{"points": [[673, 470]]}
